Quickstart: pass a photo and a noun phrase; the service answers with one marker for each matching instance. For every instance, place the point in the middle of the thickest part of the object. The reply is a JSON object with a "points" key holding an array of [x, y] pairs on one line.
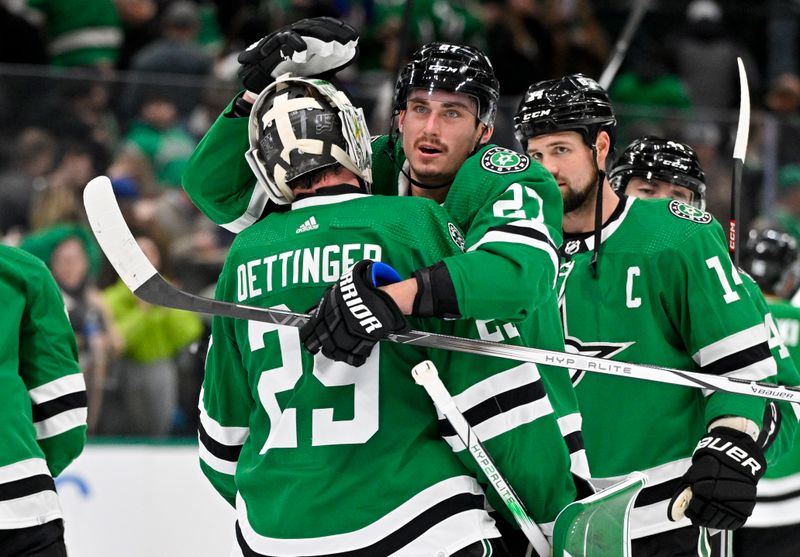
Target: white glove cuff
{"points": [[738, 423]]}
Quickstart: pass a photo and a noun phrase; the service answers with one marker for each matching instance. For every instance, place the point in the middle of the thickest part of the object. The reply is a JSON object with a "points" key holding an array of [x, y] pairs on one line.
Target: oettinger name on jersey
{"points": [[502, 161]]}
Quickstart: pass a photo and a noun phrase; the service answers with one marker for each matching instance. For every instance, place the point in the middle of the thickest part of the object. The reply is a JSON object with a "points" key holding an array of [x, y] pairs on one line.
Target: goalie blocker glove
{"points": [[354, 315], [726, 467], [309, 47]]}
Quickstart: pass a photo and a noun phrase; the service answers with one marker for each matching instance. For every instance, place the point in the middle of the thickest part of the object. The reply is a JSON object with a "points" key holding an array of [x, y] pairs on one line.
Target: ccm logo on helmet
{"points": [[734, 452], [356, 305], [536, 114], [441, 68], [677, 164]]}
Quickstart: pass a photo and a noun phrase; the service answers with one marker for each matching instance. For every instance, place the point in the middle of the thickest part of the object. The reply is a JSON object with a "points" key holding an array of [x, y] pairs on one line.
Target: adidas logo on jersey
{"points": [[310, 224]]}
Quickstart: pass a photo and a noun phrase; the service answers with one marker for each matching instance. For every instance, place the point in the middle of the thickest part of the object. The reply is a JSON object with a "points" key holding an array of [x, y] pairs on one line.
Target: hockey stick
{"points": [[622, 44], [678, 510], [426, 375], [402, 47], [141, 277], [739, 151]]}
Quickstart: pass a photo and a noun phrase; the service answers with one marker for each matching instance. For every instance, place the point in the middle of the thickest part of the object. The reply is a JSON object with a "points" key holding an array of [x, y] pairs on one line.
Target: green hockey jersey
{"points": [[778, 499], [320, 457], [42, 392], [780, 426], [508, 206], [665, 294]]}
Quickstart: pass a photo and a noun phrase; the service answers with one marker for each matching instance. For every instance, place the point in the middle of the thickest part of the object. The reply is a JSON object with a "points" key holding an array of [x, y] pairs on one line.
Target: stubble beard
{"points": [[575, 200]]}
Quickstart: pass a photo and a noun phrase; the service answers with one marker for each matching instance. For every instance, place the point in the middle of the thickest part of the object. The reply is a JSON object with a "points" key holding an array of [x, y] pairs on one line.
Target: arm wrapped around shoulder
{"points": [[726, 467], [436, 295], [309, 47], [354, 314]]}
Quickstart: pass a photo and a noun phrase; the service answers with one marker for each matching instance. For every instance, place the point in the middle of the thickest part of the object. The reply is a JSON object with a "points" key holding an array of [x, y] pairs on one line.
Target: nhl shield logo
{"points": [[688, 212], [572, 247], [502, 161]]}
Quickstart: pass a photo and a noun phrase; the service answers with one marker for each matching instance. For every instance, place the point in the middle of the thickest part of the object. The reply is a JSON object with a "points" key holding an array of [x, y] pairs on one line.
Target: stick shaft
{"points": [[144, 281], [623, 42], [426, 375]]}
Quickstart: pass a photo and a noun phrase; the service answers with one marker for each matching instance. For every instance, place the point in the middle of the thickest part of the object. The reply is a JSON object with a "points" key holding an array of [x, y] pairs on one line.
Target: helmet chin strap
{"points": [[598, 210], [420, 184]]}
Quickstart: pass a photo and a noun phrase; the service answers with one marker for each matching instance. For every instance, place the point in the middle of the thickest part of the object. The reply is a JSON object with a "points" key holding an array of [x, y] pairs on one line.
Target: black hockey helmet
{"points": [[771, 258], [572, 103], [454, 68], [299, 125], [654, 158]]}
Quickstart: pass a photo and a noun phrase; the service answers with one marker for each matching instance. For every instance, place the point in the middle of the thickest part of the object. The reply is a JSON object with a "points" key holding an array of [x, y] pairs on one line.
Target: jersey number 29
{"points": [[324, 429]]}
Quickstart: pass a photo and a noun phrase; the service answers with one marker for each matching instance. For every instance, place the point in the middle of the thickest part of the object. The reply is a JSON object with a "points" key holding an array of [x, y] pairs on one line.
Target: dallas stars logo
{"points": [[501, 161], [688, 212], [605, 350], [574, 345]]}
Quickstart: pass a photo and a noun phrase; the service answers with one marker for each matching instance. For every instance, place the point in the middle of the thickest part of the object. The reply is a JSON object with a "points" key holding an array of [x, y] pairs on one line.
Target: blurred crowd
{"points": [[127, 88]]}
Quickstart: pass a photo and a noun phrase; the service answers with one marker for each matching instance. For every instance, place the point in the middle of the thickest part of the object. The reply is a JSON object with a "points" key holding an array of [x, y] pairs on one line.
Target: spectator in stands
{"points": [[60, 201], [157, 139], [704, 54], [22, 43], [787, 213], [580, 41], [783, 101], [74, 259], [31, 159], [79, 108], [521, 46], [705, 138], [175, 53], [141, 27], [79, 32], [147, 372]]}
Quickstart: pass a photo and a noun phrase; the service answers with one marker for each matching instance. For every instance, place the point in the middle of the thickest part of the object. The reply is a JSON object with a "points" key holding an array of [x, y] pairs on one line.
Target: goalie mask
{"points": [[453, 68], [573, 103], [771, 258], [653, 158], [300, 125]]}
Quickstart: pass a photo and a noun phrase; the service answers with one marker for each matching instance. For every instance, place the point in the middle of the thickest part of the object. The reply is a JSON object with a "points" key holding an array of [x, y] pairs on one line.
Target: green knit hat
{"points": [[44, 242]]}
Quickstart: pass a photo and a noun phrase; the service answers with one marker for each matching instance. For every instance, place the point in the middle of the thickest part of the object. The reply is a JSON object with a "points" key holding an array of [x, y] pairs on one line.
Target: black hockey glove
{"points": [[309, 47], [354, 315], [726, 466]]}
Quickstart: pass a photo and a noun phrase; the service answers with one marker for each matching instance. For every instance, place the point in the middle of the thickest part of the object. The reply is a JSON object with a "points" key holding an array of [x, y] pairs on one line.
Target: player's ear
{"points": [[401, 118], [603, 144], [486, 134]]}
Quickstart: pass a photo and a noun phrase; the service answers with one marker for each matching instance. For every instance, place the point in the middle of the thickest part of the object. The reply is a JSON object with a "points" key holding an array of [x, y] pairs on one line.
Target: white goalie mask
{"points": [[299, 125]]}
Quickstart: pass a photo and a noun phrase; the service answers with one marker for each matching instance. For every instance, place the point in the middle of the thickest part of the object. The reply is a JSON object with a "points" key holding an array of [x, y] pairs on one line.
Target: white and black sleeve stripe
{"points": [[742, 355], [499, 404], [524, 232], [219, 445], [59, 405]]}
